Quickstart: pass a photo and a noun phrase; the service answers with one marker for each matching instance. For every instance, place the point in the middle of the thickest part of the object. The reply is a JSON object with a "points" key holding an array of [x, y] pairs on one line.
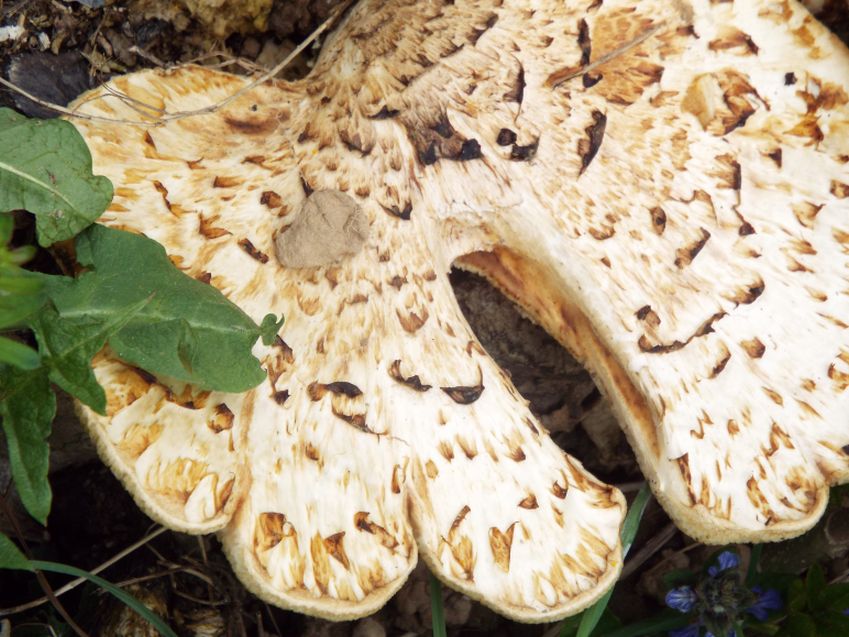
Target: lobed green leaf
{"points": [[187, 330], [46, 169]]}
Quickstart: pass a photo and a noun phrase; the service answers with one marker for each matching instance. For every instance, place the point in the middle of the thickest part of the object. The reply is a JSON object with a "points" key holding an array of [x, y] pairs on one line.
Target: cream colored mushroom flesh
{"points": [[663, 185]]}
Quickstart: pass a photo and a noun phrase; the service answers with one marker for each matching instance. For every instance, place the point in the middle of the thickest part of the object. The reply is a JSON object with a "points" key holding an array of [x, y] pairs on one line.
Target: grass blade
{"points": [[152, 618], [652, 626], [591, 616], [437, 614], [754, 564]]}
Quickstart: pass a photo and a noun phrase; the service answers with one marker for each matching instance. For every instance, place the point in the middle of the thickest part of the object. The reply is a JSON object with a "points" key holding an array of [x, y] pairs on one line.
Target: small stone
{"points": [[368, 627], [329, 227], [251, 48]]}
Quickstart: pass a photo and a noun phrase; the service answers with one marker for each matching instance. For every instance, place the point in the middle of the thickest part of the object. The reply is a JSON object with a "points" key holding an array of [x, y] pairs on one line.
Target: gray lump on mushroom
{"points": [[329, 227], [663, 186]]}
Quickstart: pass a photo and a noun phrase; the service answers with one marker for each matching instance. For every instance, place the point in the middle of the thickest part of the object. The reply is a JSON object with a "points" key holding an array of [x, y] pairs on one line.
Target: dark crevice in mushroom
{"points": [[477, 32], [413, 382], [524, 153], [344, 388], [464, 395], [385, 113], [736, 175], [705, 328], [589, 79], [471, 149], [163, 191], [308, 189], [429, 157], [584, 42], [745, 229], [247, 127], [658, 219], [517, 91], [720, 365], [684, 256], [253, 252], [558, 491], [588, 147], [750, 293], [280, 396], [317, 390], [271, 199], [395, 211], [358, 421], [506, 137], [355, 145], [443, 127]]}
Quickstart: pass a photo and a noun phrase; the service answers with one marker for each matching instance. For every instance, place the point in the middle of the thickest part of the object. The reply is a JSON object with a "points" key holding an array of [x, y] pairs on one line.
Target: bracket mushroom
{"points": [[663, 186]]}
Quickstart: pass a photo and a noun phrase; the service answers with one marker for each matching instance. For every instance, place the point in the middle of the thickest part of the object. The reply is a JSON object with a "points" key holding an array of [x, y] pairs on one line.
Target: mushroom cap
{"points": [[662, 185]]}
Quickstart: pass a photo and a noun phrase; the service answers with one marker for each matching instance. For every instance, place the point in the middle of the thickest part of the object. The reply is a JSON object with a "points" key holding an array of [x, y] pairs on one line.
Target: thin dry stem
{"points": [[50, 595], [76, 582], [652, 546], [564, 75]]}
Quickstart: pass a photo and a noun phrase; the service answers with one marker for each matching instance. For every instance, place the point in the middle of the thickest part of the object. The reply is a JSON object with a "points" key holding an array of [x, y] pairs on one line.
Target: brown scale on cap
{"points": [[660, 184]]}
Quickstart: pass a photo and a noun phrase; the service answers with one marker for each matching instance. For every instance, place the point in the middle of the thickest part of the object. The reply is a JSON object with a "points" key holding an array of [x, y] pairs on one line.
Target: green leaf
{"points": [[21, 294], [18, 354], [798, 625], [814, 585], [11, 556], [7, 224], [592, 615], [27, 407], [632, 520], [797, 599], [130, 601], [188, 331], [754, 564], [45, 168], [437, 613], [835, 597], [832, 623], [69, 346], [269, 327]]}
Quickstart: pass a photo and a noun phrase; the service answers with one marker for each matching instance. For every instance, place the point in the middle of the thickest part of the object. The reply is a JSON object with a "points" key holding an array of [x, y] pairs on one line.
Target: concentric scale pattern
{"points": [[663, 185]]}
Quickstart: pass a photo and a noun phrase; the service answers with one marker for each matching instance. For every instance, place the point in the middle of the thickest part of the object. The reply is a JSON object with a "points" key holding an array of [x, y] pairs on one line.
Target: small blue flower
{"points": [[682, 599], [726, 560], [767, 600]]}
